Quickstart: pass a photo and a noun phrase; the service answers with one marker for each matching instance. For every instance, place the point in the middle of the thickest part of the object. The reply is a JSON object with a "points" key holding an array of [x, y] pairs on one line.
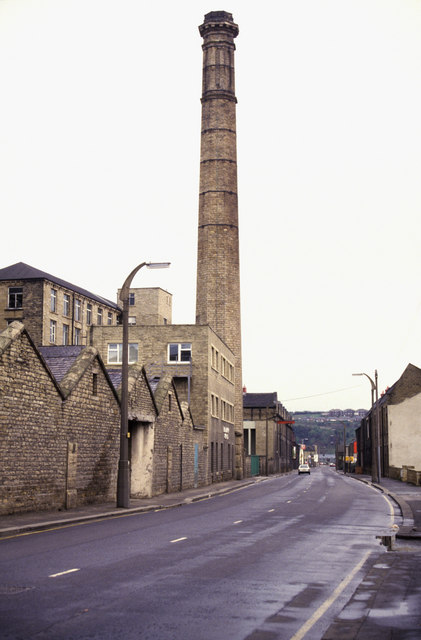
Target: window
{"points": [[227, 411], [77, 335], [109, 318], [66, 334], [53, 301], [214, 406], [227, 369], [15, 297], [66, 305], [53, 331], [215, 359], [132, 320], [131, 299], [179, 352], [115, 353], [89, 314], [94, 384], [78, 310], [99, 317]]}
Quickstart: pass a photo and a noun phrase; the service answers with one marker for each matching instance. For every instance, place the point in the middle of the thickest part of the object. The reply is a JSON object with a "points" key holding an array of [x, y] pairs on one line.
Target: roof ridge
{"points": [[23, 271]]}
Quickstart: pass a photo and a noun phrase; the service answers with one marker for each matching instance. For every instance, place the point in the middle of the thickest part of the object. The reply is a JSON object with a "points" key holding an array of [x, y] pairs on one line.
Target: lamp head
{"points": [[158, 265]]}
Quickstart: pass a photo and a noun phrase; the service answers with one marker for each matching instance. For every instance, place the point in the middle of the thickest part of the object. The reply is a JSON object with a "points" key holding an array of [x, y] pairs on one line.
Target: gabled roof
{"points": [[12, 332], [22, 271], [135, 372], [60, 359], [69, 364], [259, 400], [408, 385]]}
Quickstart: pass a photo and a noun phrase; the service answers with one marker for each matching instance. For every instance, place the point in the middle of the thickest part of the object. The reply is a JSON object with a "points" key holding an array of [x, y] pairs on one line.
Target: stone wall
{"points": [[205, 379], [56, 450]]}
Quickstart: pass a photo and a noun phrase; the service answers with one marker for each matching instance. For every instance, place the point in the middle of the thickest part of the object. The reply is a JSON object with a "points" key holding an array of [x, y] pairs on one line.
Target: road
{"points": [[276, 559]]}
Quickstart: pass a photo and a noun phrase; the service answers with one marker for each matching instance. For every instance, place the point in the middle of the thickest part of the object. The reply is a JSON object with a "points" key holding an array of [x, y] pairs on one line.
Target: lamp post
{"points": [[123, 478], [375, 464]]}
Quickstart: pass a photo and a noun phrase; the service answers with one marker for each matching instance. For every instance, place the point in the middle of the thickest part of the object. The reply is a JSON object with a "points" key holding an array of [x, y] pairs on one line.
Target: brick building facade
{"points": [[203, 373], [58, 441], [218, 263], [52, 310], [60, 429], [267, 435]]}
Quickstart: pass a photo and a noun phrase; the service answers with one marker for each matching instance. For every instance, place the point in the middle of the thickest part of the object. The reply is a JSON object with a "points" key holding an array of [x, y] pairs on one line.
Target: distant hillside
{"points": [[325, 428]]}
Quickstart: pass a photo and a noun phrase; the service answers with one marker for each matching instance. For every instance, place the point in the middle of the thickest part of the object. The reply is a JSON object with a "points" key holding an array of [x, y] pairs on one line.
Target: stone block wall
{"points": [[33, 462], [55, 451], [205, 380]]}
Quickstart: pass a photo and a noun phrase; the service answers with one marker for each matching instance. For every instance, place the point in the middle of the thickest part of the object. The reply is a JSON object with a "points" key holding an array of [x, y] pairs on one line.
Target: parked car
{"points": [[303, 468]]}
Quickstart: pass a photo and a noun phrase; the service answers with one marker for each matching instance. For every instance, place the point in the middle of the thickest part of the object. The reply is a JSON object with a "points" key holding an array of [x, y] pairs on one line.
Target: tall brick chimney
{"points": [[218, 266]]}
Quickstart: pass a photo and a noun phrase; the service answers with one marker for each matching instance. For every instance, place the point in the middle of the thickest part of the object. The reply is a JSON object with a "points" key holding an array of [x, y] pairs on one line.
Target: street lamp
{"points": [[123, 488], [375, 465]]}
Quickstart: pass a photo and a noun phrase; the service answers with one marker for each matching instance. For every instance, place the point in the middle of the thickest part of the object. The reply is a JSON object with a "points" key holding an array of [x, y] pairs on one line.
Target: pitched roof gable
{"points": [[22, 271], [60, 359], [408, 385], [14, 331], [259, 400], [69, 364]]}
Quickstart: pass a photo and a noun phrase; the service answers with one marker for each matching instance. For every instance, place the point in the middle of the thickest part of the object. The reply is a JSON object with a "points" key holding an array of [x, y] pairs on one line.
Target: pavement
{"points": [[384, 606]]}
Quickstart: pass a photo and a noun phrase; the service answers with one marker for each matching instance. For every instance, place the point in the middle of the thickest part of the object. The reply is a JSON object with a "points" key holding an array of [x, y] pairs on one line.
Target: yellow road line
{"points": [[327, 603]]}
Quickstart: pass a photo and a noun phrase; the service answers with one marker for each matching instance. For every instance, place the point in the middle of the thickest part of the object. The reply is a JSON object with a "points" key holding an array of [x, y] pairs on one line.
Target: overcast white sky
{"points": [[99, 170]]}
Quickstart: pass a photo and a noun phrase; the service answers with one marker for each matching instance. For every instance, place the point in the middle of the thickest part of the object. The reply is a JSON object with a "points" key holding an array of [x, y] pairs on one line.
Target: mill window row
{"points": [[15, 301]]}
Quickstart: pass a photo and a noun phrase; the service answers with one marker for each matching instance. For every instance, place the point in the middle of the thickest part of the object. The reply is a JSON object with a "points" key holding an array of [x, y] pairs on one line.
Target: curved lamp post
{"points": [[123, 478], [375, 463]]}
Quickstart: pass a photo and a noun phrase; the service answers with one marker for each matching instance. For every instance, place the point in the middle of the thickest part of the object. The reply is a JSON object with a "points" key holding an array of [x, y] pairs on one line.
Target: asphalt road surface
{"points": [[276, 559]]}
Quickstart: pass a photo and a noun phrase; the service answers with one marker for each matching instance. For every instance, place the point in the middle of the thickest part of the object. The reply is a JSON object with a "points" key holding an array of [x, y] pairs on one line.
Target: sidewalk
{"points": [[408, 498], [385, 605]]}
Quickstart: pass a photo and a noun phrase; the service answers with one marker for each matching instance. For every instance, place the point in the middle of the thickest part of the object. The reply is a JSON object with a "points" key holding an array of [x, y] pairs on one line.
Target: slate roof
{"points": [[115, 377], [259, 400], [60, 359], [22, 271]]}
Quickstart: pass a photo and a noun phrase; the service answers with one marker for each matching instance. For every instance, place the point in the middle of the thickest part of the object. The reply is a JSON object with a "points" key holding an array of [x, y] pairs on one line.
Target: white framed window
{"points": [[227, 411], [115, 353], [89, 313], [99, 316], [66, 304], [77, 335], [227, 369], [78, 310], [15, 298], [53, 300], [214, 405], [53, 331], [132, 320], [179, 352], [214, 358], [131, 299], [109, 318], [66, 334]]}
